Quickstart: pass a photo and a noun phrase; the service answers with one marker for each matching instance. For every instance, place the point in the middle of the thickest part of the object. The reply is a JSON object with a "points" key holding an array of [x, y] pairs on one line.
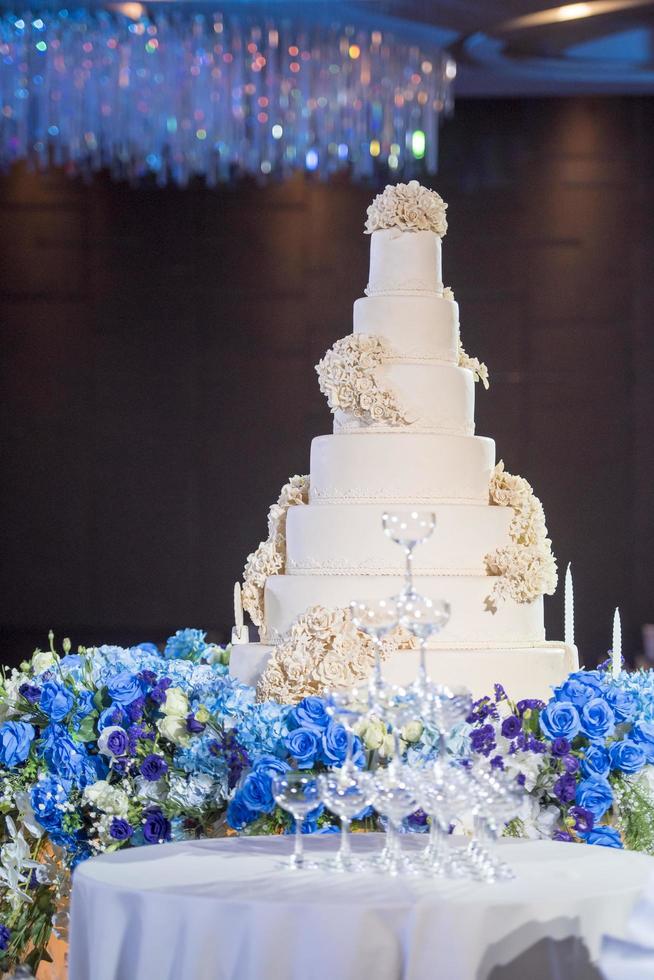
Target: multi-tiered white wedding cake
{"points": [[402, 391]]}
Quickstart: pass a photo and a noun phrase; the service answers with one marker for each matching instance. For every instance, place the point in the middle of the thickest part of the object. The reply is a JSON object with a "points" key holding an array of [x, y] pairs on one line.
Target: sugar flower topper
{"points": [[410, 207]]}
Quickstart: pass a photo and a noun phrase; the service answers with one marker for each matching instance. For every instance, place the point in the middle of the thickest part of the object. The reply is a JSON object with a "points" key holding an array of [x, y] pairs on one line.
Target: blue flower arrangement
{"points": [[117, 747]]}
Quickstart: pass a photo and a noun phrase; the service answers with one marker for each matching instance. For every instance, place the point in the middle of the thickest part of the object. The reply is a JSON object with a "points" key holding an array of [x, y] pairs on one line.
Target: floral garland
{"points": [[346, 376], [410, 207], [526, 568], [270, 557], [322, 649]]}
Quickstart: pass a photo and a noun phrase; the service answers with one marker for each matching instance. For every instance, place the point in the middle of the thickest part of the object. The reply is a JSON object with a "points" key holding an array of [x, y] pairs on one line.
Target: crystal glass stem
{"points": [[422, 667], [345, 852], [408, 573], [298, 849]]}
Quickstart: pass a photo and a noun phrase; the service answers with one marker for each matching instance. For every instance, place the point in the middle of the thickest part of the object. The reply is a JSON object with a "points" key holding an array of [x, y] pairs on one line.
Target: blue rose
{"points": [[627, 756], [596, 761], [624, 703], [124, 688], [597, 719], [594, 794], [604, 837], [270, 765], [113, 715], [46, 797], [559, 719], [68, 759], [643, 733], [575, 691], [334, 744], [310, 713], [303, 745], [56, 700], [16, 739], [256, 793], [84, 706], [238, 814], [594, 678]]}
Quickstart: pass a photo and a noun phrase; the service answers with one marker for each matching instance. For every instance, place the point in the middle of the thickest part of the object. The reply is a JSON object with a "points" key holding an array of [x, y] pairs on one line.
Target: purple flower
{"points": [[135, 709], [529, 704], [31, 693], [193, 725], [153, 768], [565, 787], [115, 741], [497, 762], [148, 677], [113, 715], [482, 740], [584, 819], [5, 936], [156, 827], [521, 779], [570, 763], [120, 829], [500, 693], [560, 747], [563, 835], [511, 726], [158, 692]]}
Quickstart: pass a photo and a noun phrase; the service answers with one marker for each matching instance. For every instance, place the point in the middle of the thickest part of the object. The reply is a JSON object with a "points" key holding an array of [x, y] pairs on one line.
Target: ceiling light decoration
{"points": [[180, 93]]}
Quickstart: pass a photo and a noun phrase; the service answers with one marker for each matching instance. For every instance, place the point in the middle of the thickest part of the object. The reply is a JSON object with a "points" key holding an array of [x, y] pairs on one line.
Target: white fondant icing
{"points": [[404, 262], [417, 327], [341, 539], [287, 596], [434, 398], [400, 467]]}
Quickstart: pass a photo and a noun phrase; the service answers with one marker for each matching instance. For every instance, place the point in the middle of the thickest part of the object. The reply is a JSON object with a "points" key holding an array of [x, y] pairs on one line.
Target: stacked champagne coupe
{"points": [[445, 789]]}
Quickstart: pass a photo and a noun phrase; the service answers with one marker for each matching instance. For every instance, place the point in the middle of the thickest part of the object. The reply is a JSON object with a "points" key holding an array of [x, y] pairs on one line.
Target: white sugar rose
{"points": [[107, 798], [176, 703]]}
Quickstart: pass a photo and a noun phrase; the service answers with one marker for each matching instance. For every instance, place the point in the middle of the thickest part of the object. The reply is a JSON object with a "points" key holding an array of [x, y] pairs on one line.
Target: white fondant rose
{"points": [[409, 207]]}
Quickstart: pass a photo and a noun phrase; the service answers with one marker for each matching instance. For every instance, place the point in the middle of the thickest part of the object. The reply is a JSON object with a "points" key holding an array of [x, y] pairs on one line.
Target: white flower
{"points": [[448, 293], [16, 864], [153, 791], [478, 368], [176, 703], [347, 376], [412, 731], [107, 798], [26, 814], [42, 660], [174, 729], [270, 557], [407, 206]]}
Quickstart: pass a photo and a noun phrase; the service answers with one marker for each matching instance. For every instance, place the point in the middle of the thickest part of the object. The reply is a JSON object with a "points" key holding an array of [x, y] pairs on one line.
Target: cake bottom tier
{"points": [[525, 672], [471, 623]]}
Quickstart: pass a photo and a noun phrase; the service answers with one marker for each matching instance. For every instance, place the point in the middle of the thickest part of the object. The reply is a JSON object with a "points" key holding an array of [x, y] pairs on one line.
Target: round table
{"points": [[225, 910]]}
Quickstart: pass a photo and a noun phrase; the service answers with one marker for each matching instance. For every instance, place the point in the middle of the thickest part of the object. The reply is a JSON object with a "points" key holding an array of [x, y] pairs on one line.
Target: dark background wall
{"points": [[158, 352]]}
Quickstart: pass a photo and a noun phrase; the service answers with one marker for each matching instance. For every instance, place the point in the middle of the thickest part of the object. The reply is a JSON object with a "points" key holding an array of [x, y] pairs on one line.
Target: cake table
{"points": [[224, 910]]}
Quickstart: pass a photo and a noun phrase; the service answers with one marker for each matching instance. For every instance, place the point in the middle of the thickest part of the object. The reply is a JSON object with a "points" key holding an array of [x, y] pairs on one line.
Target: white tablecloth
{"points": [[223, 910]]}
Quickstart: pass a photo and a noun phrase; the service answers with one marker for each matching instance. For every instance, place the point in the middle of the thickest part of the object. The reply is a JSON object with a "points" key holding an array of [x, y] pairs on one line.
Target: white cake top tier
{"points": [[406, 222]]}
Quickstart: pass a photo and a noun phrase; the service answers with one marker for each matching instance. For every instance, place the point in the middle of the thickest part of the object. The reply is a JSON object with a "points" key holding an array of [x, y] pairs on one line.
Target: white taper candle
{"points": [[238, 608], [616, 645], [569, 609]]}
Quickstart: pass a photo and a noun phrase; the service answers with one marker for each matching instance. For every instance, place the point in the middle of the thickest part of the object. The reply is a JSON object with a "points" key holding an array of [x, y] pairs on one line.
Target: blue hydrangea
{"points": [[187, 644]]}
